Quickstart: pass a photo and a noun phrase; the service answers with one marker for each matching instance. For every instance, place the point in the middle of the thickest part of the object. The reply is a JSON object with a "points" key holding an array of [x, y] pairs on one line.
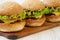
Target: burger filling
{"points": [[41, 12], [30, 14], [34, 14], [12, 18]]}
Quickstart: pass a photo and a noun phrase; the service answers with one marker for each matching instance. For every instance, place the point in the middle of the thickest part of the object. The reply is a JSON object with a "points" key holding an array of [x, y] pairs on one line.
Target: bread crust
{"points": [[32, 4], [53, 18], [51, 3], [35, 22], [9, 8], [12, 27]]}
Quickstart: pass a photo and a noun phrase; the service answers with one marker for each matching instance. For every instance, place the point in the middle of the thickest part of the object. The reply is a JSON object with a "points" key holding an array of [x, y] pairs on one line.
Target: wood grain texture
{"points": [[29, 30]]}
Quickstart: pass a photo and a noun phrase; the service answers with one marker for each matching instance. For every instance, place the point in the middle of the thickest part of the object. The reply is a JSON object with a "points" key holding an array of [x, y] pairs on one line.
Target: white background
{"points": [[51, 34]]}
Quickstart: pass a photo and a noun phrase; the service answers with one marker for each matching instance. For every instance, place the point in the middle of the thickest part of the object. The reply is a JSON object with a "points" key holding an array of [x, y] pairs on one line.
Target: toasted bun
{"points": [[51, 3], [9, 8], [35, 22], [12, 27], [53, 18], [32, 4]]}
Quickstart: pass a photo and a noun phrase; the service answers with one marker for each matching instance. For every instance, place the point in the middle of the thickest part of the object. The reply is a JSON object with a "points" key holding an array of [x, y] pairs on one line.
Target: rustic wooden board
{"points": [[29, 30]]}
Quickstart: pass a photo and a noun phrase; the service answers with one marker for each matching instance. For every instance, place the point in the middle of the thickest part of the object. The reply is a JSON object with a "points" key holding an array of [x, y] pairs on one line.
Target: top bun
{"points": [[9, 8], [52, 3], [32, 4]]}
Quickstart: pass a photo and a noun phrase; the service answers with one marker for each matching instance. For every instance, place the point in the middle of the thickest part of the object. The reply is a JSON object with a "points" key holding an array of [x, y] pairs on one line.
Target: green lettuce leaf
{"points": [[22, 15], [37, 14], [6, 18], [46, 11]]}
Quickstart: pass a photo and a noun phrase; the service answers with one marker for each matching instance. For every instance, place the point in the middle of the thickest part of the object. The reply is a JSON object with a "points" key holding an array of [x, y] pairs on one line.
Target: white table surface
{"points": [[51, 34]]}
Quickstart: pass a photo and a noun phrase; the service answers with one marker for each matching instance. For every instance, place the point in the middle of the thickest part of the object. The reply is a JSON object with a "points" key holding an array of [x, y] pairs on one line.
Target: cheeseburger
{"points": [[34, 12], [12, 17], [53, 10]]}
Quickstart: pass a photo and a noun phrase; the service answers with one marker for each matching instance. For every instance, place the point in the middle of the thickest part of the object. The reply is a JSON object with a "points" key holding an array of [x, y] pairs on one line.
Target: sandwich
{"points": [[53, 9], [34, 12], [12, 17]]}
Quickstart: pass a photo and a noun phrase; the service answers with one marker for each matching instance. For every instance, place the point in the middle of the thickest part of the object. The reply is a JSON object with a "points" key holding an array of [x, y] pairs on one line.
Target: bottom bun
{"points": [[35, 22], [12, 27], [53, 18]]}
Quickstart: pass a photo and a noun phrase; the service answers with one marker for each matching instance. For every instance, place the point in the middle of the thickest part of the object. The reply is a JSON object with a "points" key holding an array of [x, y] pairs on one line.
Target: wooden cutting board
{"points": [[29, 30]]}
